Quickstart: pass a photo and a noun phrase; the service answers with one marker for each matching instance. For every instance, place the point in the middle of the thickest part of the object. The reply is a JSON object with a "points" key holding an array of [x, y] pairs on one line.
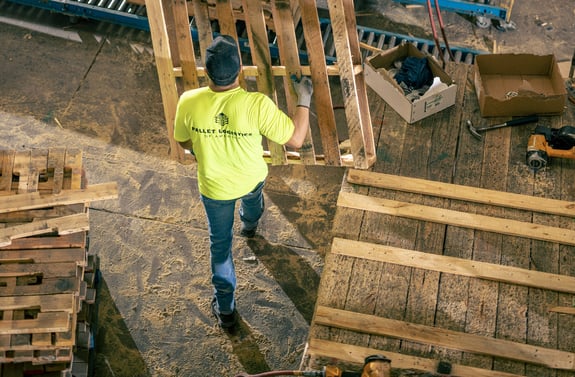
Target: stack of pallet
{"points": [[47, 275]]}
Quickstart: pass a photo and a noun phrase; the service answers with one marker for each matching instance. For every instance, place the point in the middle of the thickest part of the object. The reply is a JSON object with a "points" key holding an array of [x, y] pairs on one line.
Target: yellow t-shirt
{"points": [[226, 130]]}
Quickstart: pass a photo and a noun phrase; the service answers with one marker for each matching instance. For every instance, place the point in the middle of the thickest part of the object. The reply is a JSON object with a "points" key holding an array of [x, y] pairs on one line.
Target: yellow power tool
{"points": [[546, 142]]}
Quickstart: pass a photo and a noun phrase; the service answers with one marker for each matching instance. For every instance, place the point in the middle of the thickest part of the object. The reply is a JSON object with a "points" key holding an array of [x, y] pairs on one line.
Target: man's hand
{"points": [[304, 89]]}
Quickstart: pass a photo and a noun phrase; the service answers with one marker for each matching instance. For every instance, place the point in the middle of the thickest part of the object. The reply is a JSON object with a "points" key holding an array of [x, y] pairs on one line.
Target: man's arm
{"points": [[187, 145], [301, 123], [304, 89]]}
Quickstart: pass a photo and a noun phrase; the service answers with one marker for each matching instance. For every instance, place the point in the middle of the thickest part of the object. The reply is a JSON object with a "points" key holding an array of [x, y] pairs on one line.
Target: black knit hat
{"points": [[223, 60]]}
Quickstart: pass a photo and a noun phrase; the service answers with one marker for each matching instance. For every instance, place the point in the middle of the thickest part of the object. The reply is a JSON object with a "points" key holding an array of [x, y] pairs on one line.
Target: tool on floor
{"points": [[374, 366], [546, 142], [510, 123]]}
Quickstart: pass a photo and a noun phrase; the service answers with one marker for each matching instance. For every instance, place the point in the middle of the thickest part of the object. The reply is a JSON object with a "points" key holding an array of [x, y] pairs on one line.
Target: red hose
{"points": [[432, 22], [440, 19], [273, 373]]}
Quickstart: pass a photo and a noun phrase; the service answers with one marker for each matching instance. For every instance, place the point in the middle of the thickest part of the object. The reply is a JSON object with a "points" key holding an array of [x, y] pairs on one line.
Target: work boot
{"points": [[225, 321], [248, 233]]}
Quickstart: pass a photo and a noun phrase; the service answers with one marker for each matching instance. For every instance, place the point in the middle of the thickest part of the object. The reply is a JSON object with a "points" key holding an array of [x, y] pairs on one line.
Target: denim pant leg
{"points": [[252, 207], [220, 214]]}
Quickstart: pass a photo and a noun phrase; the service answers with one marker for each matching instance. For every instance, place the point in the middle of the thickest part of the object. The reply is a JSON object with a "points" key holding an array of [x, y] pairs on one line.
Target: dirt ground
{"points": [[95, 87]]}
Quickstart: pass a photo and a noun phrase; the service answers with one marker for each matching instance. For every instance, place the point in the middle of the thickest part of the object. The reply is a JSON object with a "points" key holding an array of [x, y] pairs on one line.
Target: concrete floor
{"points": [[95, 87]]}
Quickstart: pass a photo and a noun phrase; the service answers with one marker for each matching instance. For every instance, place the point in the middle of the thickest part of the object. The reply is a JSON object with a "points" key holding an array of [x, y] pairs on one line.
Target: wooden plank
{"points": [[563, 309], [357, 115], [73, 162], [289, 57], [460, 192], [7, 162], [357, 354], [360, 85], [46, 303], [30, 215], [276, 70], [261, 57], [45, 322], [320, 79], [39, 166], [48, 286], [482, 311], [563, 187], [22, 170], [77, 255], [204, 27], [33, 200], [56, 166], [467, 220], [42, 339], [451, 265], [61, 225], [453, 298], [165, 68], [432, 335], [183, 39], [48, 242], [47, 270]]}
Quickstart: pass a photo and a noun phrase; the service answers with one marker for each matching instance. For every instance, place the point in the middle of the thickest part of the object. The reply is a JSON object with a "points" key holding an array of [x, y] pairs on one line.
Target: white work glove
{"points": [[304, 89]]}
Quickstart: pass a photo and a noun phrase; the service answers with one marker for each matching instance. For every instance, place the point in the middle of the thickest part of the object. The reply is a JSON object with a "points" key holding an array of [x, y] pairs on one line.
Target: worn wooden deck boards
{"points": [[465, 304]]}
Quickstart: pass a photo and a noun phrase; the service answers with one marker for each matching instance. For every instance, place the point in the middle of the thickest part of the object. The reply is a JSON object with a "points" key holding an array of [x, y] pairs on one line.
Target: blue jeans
{"points": [[220, 214]]}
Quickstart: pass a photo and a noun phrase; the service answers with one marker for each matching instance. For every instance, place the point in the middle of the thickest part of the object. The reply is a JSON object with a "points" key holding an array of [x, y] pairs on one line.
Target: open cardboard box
{"points": [[378, 77], [519, 84]]}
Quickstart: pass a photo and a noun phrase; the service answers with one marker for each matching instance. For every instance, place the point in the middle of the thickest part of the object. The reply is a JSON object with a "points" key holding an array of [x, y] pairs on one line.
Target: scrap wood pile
{"points": [[47, 274]]}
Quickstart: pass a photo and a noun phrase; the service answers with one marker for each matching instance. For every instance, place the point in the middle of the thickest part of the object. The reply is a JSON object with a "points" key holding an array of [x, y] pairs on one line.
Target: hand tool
{"points": [[547, 142], [514, 122]]}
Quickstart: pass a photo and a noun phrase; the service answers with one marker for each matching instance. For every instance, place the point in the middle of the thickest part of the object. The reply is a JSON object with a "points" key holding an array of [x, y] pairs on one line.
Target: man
{"points": [[222, 125]]}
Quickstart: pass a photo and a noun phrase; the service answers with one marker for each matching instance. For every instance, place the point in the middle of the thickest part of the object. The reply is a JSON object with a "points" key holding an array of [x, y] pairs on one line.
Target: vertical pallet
{"points": [[352, 83], [264, 18], [45, 271]]}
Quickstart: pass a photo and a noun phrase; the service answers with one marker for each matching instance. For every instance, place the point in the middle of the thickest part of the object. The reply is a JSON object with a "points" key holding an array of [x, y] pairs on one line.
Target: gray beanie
{"points": [[223, 60]]}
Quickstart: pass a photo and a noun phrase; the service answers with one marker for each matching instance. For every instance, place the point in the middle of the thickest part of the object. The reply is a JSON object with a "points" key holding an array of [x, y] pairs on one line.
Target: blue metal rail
{"points": [[122, 13], [466, 7]]}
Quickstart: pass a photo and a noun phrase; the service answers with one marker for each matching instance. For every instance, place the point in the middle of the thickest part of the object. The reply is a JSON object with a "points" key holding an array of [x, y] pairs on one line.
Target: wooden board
{"points": [[468, 342], [320, 79], [460, 192], [352, 83], [462, 219], [261, 56], [451, 265]]}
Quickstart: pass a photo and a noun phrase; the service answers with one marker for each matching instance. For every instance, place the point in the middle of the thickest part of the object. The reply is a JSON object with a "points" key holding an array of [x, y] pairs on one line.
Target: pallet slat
{"points": [[462, 219], [62, 225], [365, 323], [461, 192], [452, 265]]}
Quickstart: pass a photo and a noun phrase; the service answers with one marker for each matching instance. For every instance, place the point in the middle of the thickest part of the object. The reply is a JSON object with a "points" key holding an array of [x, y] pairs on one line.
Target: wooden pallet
{"points": [[46, 272], [344, 329], [178, 71]]}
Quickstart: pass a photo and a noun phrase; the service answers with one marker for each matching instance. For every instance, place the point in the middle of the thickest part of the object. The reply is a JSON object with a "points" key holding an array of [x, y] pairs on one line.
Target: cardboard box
{"points": [[378, 77], [519, 84]]}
